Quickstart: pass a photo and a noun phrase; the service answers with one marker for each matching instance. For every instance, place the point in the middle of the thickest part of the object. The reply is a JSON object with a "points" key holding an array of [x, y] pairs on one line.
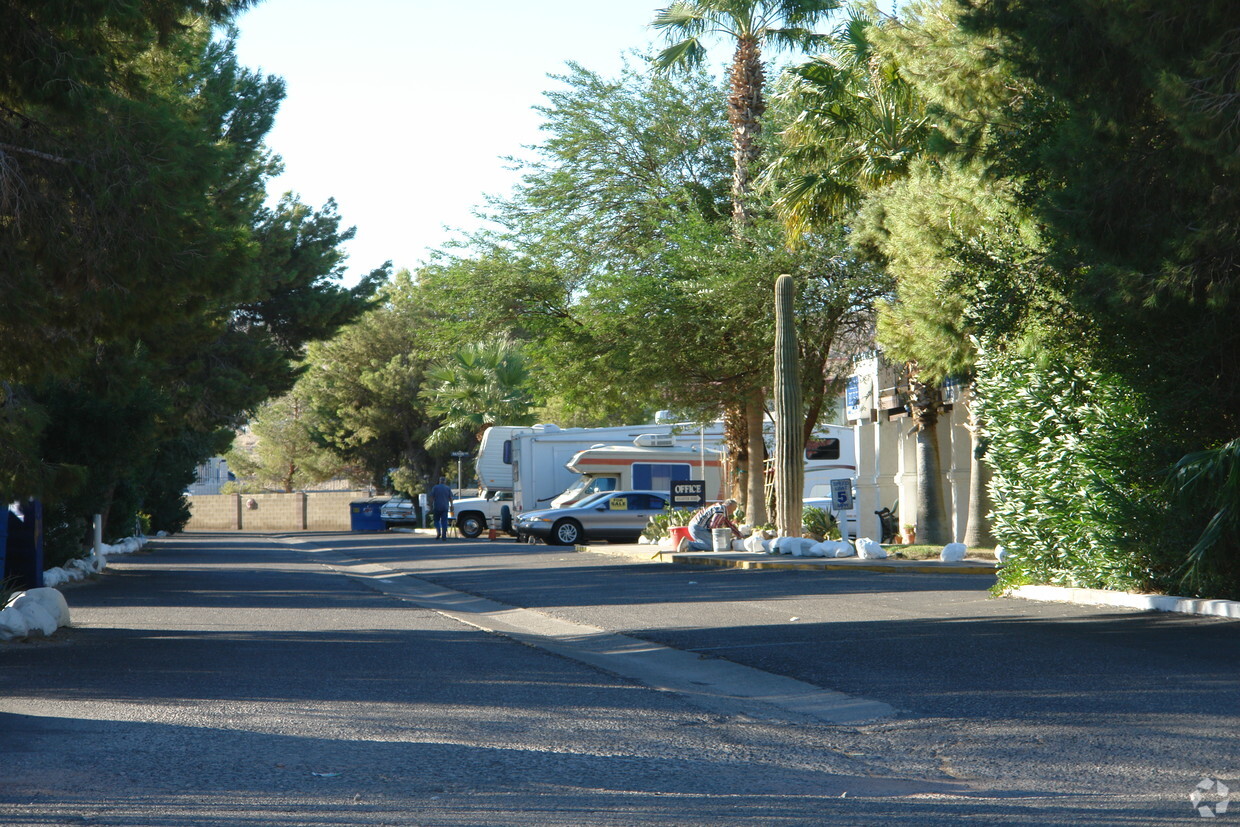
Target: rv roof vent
{"points": [[655, 441]]}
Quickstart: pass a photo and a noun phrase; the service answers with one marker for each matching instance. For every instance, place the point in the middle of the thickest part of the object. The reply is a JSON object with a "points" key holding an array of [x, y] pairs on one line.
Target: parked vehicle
{"points": [[651, 462], [493, 464], [399, 510], [617, 516], [540, 459], [475, 515]]}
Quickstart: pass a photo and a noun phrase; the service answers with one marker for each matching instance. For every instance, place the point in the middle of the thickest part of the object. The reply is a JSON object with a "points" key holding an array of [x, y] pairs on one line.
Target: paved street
{"points": [[375, 679]]}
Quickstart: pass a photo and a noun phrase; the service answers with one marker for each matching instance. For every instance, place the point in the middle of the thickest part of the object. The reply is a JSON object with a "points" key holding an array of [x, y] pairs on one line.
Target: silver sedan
{"points": [[618, 516]]}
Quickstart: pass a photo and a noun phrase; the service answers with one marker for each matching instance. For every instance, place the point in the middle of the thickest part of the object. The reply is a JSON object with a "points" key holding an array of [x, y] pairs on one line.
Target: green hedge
{"points": [[1074, 491]]}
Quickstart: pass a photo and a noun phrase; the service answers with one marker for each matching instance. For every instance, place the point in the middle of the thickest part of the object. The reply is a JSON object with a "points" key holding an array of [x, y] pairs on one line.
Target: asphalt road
{"points": [[352, 680]]}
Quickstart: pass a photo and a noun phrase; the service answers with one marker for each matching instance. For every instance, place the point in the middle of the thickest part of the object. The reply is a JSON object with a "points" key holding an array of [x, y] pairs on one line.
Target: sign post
{"points": [[841, 501]]}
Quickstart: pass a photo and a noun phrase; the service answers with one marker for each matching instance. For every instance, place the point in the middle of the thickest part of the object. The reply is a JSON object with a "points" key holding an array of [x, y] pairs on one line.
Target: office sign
{"points": [[688, 494]]}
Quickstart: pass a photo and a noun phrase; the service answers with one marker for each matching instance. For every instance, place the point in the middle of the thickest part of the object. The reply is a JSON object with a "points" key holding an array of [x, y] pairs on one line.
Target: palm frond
{"points": [[687, 53]]}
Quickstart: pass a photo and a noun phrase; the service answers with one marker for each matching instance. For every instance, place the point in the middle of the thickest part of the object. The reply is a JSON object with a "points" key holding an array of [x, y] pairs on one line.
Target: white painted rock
{"points": [[841, 548], [755, 544], [38, 619], [953, 552], [13, 624], [820, 549], [1001, 554], [795, 546], [868, 549], [53, 601]]}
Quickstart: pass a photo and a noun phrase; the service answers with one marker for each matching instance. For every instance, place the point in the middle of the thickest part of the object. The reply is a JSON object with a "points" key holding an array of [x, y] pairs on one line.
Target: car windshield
{"points": [[593, 499]]}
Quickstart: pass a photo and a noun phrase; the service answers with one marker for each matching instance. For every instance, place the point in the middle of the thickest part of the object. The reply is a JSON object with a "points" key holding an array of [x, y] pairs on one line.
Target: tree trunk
{"points": [[745, 109], [736, 442], [932, 522], [789, 415], [755, 509], [977, 532]]}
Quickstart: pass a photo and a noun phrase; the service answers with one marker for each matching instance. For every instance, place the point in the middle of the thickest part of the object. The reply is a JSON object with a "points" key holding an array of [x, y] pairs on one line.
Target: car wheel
{"points": [[471, 525], [566, 533]]}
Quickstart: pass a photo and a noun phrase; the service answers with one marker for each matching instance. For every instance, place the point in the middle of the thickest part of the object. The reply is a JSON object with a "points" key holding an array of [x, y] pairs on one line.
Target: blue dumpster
{"points": [[364, 515], [23, 559]]}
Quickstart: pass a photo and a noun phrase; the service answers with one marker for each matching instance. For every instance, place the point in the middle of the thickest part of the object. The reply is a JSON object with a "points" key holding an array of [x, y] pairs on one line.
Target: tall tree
{"points": [[133, 252], [287, 453], [752, 24]]}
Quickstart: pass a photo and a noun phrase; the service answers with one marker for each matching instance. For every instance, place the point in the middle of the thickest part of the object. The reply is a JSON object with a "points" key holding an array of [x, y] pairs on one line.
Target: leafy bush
{"points": [[657, 528], [820, 523], [1204, 487], [1073, 481]]}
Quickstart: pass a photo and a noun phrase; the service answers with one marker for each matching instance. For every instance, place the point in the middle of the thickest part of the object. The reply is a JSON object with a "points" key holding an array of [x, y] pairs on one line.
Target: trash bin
{"points": [[23, 559], [364, 515]]}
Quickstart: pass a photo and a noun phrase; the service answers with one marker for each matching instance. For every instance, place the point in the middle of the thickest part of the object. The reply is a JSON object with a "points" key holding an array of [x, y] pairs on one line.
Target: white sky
{"points": [[402, 109]]}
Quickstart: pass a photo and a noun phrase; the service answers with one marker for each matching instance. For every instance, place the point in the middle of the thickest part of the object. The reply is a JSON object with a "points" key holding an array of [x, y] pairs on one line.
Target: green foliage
{"points": [[861, 125], [480, 385], [364, 386], [288, 454], [1073, 501], [657, 528], [151, 299], [1206, 485], [820, 523]]}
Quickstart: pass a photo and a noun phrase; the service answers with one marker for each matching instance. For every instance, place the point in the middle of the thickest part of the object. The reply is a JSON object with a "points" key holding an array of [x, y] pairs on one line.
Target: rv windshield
{"points": [[588, 485]]}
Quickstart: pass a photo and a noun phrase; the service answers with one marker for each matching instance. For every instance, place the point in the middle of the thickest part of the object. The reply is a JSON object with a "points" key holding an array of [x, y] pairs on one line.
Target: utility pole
{"points": [[460, 456]]}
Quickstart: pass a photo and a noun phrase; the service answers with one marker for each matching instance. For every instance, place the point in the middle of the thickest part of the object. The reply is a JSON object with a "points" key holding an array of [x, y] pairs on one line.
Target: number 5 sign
{"points": [[841, 495]]}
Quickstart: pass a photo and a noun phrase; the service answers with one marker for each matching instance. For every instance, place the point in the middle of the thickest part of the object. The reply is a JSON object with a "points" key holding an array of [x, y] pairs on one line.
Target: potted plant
{"points": [[910, 534]]}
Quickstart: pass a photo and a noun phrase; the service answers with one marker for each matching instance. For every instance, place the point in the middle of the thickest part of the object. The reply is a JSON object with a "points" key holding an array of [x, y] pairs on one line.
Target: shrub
{"points": [[821, 524], [657, 528], [1073, 485]]}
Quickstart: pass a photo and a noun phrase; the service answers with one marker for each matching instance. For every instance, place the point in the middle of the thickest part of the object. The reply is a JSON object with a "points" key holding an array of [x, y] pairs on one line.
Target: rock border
{"points": [[1147, 602]]}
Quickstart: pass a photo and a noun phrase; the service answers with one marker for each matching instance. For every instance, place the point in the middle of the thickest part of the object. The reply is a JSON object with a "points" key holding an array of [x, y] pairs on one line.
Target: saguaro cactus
{"points": [[789, 441]]}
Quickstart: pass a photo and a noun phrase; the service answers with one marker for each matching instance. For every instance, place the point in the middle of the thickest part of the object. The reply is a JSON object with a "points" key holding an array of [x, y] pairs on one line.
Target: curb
{"points": [[738, 560], [1147, 602], [909, 566]]}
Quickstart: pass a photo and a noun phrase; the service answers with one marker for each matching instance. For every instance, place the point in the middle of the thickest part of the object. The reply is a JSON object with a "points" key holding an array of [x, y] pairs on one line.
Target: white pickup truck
{"points": [[475, 515]]}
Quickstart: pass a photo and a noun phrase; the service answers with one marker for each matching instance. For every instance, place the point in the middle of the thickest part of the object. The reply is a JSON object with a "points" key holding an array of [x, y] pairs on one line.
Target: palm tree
{"points": [[478, 386], [860, 127], [753, 24]]}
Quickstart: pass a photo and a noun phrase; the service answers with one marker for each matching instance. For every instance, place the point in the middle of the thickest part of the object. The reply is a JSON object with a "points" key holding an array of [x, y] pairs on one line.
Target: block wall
{"points": [[314, 511]]}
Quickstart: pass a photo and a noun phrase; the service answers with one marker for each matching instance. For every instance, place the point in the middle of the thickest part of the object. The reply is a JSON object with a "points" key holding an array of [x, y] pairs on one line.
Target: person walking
{"points": [[441, 504]]}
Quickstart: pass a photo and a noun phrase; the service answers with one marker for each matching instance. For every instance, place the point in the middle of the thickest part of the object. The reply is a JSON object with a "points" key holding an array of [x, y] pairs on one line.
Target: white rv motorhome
{"points": [[540, 459], [651, 462], [830, 455]]}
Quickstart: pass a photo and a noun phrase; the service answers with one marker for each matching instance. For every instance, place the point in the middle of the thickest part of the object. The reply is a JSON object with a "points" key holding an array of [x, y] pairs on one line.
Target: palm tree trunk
{"points": [[745, 108], [932, 523], [755, 509], [977, 533]]}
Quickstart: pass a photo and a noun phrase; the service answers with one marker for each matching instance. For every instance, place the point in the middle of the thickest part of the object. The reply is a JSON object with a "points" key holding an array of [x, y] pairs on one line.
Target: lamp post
{"points": [[460, 455]]}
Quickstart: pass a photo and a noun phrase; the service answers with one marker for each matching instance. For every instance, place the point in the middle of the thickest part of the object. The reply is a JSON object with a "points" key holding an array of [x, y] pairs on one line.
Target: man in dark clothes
{"points": [[441, 504]]}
